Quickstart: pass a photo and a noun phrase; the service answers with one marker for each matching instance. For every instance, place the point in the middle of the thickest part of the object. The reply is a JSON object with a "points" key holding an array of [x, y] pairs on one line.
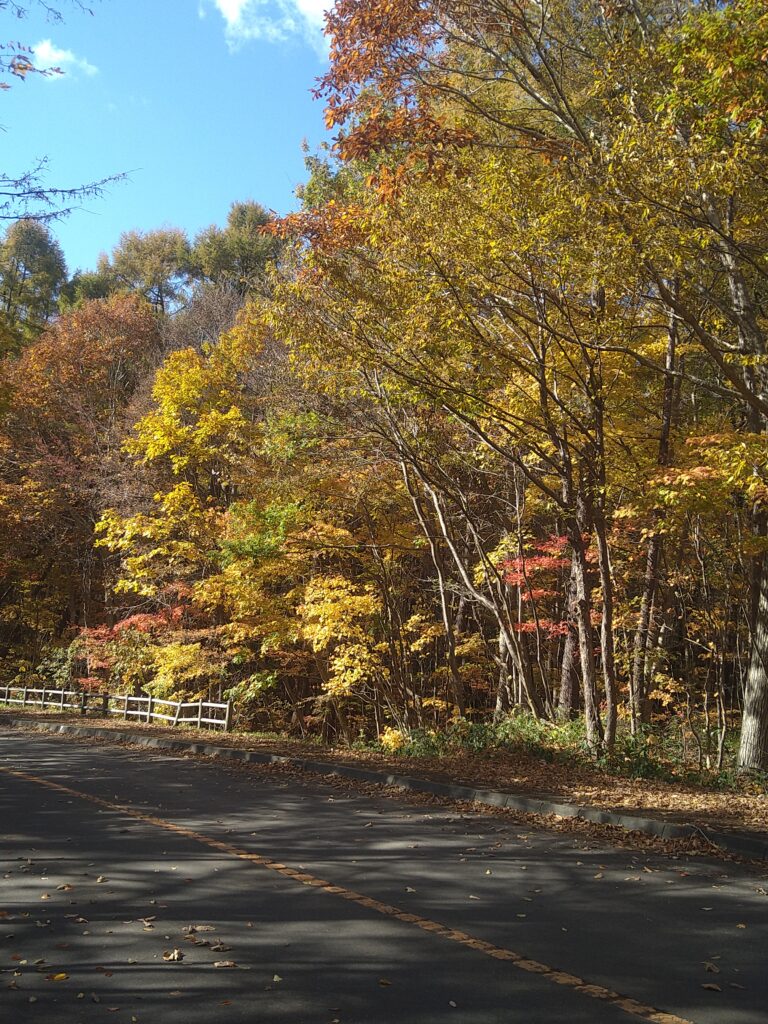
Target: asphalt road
{"points": [[333, 906]]}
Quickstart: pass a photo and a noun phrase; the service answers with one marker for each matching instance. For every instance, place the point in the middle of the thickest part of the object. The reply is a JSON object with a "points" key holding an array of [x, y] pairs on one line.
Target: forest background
{"points": [[471, 448]]}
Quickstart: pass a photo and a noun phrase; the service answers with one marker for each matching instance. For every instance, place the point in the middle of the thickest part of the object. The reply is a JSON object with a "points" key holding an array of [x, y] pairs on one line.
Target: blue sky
{"points": [[204, 102]]}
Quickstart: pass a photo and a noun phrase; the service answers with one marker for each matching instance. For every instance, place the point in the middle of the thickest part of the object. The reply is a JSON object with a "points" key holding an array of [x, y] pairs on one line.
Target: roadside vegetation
{"points": [[466, 456]]}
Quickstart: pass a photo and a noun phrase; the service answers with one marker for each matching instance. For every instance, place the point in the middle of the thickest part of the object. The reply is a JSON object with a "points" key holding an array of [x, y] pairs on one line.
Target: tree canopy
{"points": [[476, 436]]}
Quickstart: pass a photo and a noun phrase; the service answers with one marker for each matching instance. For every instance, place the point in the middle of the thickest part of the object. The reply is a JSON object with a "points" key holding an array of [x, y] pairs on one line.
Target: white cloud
{"points": [[275, 20], [47, 55]]}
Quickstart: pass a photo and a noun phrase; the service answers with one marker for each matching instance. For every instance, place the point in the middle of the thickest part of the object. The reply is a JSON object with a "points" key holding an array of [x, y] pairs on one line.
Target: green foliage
{"points": [[518, 732], [32, 274], [239, 253], [258, 532], [249, 695], [56, 667], [154, 264]]}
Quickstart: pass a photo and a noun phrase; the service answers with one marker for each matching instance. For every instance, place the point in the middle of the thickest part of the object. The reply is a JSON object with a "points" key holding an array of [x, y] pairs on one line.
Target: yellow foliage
{"points": [[392, 739]]}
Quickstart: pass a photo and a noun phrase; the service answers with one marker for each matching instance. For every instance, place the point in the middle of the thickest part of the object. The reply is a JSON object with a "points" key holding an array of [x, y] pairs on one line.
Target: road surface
{"points": [[128, 876]]}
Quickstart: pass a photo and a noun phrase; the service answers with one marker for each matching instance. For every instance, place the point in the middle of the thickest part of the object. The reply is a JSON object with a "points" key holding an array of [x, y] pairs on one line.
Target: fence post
{"points": [[228, 717], [150, 708], [83, 702], [176, 714], [63, 695], [24, 697], [200, 713], [105, 704], [125, 707], [42, 698]]}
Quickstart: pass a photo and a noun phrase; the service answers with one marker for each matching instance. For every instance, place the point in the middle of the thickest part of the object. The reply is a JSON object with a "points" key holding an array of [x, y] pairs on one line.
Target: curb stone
{"points": [[753, 847]]}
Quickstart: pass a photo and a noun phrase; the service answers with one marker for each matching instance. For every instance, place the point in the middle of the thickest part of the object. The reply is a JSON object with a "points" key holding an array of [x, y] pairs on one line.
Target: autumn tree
{"points": [[65, 396], [643, 108]]}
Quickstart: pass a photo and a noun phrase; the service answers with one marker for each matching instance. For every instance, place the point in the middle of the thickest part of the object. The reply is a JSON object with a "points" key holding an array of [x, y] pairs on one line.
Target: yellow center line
{"points": [[518, 960]]}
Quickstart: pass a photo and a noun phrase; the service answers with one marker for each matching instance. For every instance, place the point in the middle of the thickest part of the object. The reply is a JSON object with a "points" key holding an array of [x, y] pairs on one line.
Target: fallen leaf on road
{"points": [[61, 976], [173, 955], [102, 878], [384, 982], [712, 988], [276, 977], [710, 967], [224, 963]]}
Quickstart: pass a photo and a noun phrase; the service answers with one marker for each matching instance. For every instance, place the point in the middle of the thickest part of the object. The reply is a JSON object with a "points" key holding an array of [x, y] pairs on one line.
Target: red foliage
{"points": [[547, 627], [549, 561]]}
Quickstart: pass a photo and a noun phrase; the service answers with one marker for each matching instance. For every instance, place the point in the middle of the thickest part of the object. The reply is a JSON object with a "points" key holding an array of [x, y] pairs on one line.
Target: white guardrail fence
{"points": [[143, 709]]}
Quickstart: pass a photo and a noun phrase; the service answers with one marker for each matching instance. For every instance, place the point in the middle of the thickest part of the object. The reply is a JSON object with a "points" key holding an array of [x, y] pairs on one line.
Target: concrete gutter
{"points": [[753, 846]]}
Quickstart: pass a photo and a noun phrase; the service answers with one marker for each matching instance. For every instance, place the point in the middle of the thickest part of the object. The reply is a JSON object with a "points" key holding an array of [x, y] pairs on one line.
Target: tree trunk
{"points": [[606, 633], [583, 608], [456, 682], [503, 689], [640, 707], [568, 698], [753, 746]]}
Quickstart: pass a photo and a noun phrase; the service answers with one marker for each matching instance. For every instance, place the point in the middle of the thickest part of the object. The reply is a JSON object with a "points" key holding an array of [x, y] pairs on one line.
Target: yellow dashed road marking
{"points": [[522, 963]]}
